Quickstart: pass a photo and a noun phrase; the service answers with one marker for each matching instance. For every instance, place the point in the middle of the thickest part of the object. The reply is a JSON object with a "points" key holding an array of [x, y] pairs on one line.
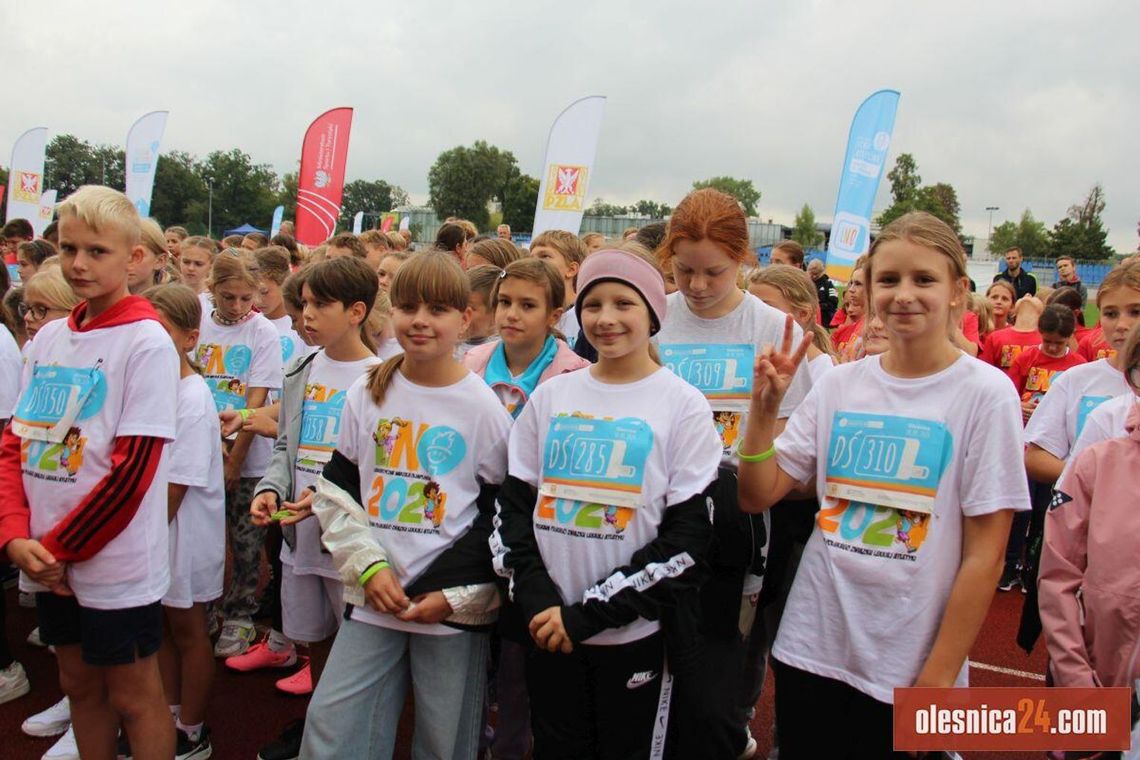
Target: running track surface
{"points": [[246, 711]]}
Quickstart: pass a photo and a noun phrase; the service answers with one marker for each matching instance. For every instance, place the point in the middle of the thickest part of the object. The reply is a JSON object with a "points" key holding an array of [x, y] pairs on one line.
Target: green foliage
{"points": [[520, 202], [741, 189], [1081, 234], [71, 163], [804, 231], [653, 209], [243, 191], [904, 178], [179, 195], [600, 208], [1028, 234], [939, 199], [463, 180], [369, 197]]}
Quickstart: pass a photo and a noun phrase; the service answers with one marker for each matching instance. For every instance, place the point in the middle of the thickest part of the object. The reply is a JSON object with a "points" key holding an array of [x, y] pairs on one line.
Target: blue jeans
{"points": [[357, 703]]}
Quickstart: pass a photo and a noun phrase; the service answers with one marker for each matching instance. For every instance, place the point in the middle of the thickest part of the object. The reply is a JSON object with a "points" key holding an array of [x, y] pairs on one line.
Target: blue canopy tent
{"points": [[245, 229]]}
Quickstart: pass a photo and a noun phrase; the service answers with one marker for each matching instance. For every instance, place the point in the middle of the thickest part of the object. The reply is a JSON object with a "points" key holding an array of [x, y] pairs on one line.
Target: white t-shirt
{"points": [[11, 361], [874, 581], [1103, 423], [1063, 410], [568, 325], [129, 374], [722, 351], [325, 393], [819, 366], [650, 440], [236, 357], [292, 346], [388, 348], [422, 456], [198, 531]]}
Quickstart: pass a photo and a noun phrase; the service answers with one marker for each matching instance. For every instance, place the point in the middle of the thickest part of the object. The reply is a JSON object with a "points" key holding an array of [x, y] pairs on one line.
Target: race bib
{"points": [[881, 459], [720, 371], [1085, 408], [55, 399], [597, 461]]}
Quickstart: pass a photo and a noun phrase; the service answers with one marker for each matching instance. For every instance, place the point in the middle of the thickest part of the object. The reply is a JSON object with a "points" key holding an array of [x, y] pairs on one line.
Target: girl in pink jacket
{"points": [[1092, 546]]}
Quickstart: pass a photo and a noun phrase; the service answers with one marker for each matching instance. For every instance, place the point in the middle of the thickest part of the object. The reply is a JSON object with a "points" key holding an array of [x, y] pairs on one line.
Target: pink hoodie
{"points": [[565, 360], [1092, 545]]}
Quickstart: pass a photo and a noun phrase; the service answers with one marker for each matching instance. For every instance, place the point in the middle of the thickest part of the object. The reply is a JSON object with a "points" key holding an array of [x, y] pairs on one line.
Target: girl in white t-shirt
{"points": [[909, 453], [196, 511], [791, 291], [710, 337], [405, 505], [603, 522], [240, 356]]}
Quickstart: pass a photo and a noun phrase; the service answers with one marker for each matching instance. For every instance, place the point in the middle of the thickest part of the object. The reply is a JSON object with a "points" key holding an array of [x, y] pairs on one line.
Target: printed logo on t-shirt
{"points": [[1085, 408], [56, 399], [405, 493], [1009, 353], [1037, 383], [881, 478], [287, 349], [320, 426], [223, 367], [592, 475]]}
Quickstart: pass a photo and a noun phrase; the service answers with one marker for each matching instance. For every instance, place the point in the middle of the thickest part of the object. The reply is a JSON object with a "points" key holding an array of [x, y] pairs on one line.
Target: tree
{"points": [[939, 199], [180, 195], [742, 189], [805, 232], [904, 178], [653, 209], [600, 208], [288, 195], [243, 191], [520, 202], [463, 180], [369, 197], [1028, 234], [1081, 234]]}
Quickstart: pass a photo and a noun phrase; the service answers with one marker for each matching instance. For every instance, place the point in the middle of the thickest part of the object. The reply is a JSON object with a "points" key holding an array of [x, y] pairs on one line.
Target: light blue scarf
{"points": [[514, 392]]}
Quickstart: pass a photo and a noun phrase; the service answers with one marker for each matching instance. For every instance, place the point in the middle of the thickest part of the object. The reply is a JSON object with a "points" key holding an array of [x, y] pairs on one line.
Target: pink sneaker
{"points": [[260, 656], [298, 684]]}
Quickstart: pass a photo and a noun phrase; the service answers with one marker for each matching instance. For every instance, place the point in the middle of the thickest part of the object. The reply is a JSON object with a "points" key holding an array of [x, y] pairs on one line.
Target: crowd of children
{"points": [[602, 485]]}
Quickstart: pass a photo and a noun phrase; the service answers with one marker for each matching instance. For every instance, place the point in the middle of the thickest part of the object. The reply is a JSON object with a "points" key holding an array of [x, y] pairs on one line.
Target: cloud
{"points": [[1018, 105]]}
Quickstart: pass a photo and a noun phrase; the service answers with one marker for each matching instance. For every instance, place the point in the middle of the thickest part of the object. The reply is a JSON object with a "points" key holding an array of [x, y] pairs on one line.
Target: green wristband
{"points": [[374, 568], [761, 457], [245, 413]]}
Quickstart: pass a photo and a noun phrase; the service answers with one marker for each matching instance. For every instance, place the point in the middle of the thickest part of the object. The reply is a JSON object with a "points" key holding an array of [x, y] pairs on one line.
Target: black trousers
{"points": [[819, 717], [599, 702]]}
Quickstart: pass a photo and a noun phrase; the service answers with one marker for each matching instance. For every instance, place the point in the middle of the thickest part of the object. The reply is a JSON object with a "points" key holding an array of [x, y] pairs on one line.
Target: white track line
{"points": [[1007, 671]]}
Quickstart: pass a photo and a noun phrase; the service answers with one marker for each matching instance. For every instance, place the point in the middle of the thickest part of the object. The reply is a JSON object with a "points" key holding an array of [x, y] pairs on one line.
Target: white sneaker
{"points": [[51, 722], [13, 682], [235, 639], [34, 638], [749, 746], [64, 749]]}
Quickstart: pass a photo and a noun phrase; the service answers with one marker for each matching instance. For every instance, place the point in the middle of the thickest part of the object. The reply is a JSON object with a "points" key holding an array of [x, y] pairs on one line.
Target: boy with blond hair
{"points": [[84, 515], [566, 252]]}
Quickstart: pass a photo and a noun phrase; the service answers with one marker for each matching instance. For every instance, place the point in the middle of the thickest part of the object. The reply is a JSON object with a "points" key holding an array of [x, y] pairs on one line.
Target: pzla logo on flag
{"points": [[27, 187], [565, 188]]}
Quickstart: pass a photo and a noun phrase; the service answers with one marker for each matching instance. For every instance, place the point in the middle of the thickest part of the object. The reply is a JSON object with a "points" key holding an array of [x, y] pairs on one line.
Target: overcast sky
{"points": [[1016, 104]]}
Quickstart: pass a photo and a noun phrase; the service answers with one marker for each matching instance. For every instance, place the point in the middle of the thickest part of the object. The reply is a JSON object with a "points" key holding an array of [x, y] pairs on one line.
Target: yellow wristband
{"points": [[245, 413], [762, 456], [374, 568]]}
